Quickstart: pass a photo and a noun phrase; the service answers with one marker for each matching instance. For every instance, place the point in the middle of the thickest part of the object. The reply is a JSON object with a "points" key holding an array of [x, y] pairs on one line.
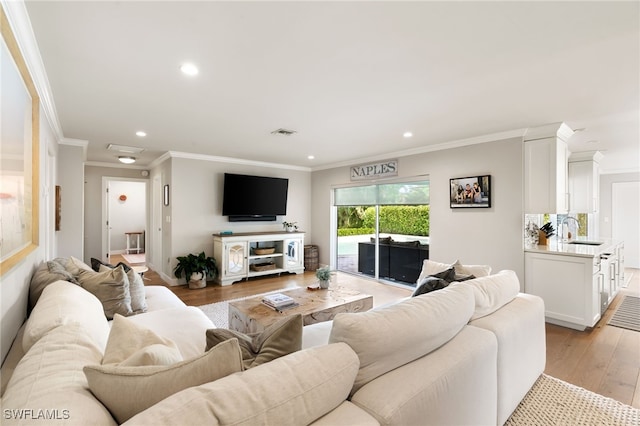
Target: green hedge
{"points": [[345, 232], [406, 220]]}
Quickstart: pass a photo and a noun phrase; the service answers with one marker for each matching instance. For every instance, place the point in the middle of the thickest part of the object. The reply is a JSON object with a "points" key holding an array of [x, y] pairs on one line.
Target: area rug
{"points": [[627, 315], [135, 258], [218, 312], [554, 402]]}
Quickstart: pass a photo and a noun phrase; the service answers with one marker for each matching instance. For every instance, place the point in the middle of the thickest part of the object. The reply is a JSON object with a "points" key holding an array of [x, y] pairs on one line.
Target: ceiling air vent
{"points": [[285, 132], [124, 148]]}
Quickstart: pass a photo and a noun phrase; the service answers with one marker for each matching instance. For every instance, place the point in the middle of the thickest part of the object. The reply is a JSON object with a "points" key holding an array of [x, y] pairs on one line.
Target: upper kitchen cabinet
{"points": [[584, 182], [545, 169]]}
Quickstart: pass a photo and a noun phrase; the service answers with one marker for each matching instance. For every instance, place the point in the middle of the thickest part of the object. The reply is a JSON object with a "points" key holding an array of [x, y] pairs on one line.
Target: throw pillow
{"points": [[47, 273], [153, 355], [279, 339], [429, 284], [477, 270], [126, 391], [111, 288], [127, 339], [493, 292], [136, 289], [74, 266], [95, 265]]}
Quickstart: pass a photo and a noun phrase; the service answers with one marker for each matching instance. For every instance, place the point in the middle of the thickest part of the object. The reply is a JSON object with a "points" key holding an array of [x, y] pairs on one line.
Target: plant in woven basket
{"points": [[195, 269]]}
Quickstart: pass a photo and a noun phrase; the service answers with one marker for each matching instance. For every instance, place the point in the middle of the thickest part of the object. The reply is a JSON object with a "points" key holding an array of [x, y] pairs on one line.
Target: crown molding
{"points": [[115, 165], [159, 160], [518, 133], [230, 160], [18, 18], [553, 130], [77, 142]]}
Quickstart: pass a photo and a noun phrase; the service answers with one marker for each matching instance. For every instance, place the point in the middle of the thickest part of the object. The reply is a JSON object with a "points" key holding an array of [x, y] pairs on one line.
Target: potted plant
{"points": [[196, 268], [323, 275], [290, 226]]}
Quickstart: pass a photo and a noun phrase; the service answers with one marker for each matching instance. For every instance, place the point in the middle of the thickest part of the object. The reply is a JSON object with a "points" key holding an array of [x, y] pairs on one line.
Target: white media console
{"points": [[237, 258]]}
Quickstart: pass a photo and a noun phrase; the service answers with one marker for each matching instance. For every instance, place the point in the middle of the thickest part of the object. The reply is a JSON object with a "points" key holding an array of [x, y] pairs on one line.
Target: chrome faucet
{"points": [[564, 221]]}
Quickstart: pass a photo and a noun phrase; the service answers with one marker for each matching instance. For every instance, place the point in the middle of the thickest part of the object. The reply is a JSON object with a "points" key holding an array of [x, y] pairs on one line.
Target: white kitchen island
{"points": [[576, 281]]}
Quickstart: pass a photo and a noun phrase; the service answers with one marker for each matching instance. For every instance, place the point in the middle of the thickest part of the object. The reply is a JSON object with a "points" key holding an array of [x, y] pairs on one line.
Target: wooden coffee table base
{"points": [[251, 316]]}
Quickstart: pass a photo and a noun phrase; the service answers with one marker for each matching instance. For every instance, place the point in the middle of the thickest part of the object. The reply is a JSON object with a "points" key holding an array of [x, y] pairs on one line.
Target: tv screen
{"points": [[248, 197]]}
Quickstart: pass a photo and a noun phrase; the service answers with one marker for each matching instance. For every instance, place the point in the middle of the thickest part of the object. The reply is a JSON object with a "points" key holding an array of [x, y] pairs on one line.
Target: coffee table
{"points": [[251, 316]]}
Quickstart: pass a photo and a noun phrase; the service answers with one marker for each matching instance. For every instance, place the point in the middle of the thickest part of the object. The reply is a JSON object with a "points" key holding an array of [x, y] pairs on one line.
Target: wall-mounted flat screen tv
{"points": [[254, 198]]}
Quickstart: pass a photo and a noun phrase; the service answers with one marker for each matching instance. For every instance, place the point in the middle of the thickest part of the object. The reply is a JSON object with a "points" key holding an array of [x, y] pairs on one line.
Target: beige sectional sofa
{"points": [[466, 354]]}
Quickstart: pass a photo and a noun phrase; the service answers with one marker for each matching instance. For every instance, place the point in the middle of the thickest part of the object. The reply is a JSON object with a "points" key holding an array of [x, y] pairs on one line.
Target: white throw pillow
{"points": [[126, 391], [493, 292], [475, 270], [61, 303], [388, 338], [128, 338]]}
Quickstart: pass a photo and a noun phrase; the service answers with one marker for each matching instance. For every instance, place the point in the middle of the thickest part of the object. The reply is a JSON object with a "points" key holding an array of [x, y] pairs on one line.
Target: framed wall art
{"points": [[19, 165], [470, 192]]}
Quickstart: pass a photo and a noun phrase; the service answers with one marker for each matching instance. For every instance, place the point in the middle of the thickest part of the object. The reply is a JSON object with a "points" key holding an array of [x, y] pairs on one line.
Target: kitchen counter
{"points": [[577, 282], [566, 249]]}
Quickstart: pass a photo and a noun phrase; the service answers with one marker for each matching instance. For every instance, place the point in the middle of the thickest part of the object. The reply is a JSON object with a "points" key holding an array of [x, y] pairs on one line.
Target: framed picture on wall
{"points": [[470, 192]]}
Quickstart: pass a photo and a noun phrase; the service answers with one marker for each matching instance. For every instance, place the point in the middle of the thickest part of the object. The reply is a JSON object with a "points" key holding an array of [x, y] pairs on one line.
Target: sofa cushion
{"points": [[493, 291], [128, 339], [347, 414], [186, 327], [111, 287], [293, 390], [65, 303], [454, 385], [279, 339], [45, 274], [389, 337], [136, 289], [49, 377], [159, 297], [126, 391]]}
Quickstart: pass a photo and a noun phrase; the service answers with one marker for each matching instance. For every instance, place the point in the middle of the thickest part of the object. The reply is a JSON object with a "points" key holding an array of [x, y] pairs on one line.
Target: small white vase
{"points": [[324, 283]]}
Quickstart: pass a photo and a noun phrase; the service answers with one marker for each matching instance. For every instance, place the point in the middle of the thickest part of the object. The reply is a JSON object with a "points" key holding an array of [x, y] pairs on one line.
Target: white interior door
{"points": [[625, 226]]}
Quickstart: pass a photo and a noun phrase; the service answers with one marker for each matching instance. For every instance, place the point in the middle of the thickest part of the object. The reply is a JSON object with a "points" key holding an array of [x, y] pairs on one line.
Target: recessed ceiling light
{"points": [[407, 134], [311, 157], [127, 160], [189, 69], [141, 133]]}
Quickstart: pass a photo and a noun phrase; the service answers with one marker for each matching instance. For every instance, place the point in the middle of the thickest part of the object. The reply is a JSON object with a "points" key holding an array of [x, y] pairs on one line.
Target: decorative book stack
{"points": [[279, 301]]}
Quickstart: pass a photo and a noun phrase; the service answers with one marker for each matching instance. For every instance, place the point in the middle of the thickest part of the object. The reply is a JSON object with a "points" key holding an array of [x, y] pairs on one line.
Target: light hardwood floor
{"points": [[604, 359]]}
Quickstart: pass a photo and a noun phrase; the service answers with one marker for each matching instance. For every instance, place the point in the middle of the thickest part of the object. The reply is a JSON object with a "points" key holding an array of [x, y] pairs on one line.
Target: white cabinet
{"points": [[584, 182], [569, 285], [546, 169], [241, 256]]}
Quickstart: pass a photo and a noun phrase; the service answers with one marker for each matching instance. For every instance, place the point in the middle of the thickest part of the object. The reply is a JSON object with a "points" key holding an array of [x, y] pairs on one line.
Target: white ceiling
{"points": [[349, 77]]}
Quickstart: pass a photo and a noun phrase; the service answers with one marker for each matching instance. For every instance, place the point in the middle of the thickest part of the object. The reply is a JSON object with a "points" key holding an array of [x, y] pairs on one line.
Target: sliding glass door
{"points": [[383, 230]]}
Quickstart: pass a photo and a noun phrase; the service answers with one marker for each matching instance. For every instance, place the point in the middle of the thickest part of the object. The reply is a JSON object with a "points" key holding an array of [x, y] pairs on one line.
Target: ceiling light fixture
{"points": [[141, 133], [407, 134], [311, 157], [127, 160], [189, 69]]}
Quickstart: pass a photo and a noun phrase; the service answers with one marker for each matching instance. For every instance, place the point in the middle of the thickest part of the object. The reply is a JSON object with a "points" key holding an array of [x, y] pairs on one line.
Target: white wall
{"points": [[196, 204], [474, 236], [129, 215], [606, 182], [14, 288], [71, 181], [93, 205]]}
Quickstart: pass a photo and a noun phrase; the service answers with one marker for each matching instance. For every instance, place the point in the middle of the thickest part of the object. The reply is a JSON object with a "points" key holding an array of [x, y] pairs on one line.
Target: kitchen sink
{"points": [[586, 243]]}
